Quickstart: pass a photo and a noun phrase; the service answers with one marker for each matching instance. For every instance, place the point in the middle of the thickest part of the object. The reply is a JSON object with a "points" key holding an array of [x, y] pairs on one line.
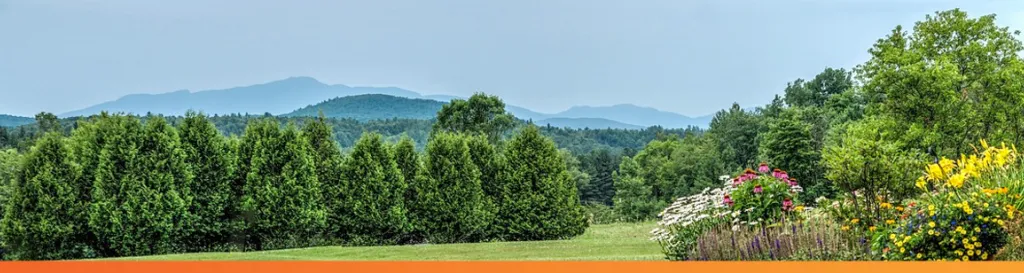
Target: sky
{"points": [[683, 56]]}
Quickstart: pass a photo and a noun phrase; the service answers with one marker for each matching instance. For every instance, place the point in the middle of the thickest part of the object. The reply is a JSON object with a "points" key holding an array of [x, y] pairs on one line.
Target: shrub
{"points": [[686, 219], [762, 196], [959, 218], [209, 158], [599, 213]]}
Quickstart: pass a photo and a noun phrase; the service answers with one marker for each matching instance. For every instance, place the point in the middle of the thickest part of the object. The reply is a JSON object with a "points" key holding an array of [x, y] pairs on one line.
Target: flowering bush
{"points": [[687, 218], [763, 196], [962, 215]]}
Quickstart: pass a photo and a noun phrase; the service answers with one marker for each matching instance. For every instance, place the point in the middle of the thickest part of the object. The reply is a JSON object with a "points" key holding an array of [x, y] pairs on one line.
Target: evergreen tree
{"points": [[538, 199], [633, 199], [409, 164], [210, 159], [281, 195], [488, 161], [450, 206], [327, 160], [599, 164], [46, 218], [374, 191], [137, 206]]}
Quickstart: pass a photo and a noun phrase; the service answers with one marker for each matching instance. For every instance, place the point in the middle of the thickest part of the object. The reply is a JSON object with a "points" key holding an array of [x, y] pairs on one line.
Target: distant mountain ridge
{"points": [[378, 106], [14, 121], [289, 96]]}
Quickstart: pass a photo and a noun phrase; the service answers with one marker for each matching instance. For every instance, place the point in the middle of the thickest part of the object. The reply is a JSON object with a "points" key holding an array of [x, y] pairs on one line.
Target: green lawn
{"points": [[621, 241]]}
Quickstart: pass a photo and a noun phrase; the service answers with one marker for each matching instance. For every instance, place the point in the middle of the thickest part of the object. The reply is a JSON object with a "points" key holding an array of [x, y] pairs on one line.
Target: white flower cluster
{"points": [[690, 209]]}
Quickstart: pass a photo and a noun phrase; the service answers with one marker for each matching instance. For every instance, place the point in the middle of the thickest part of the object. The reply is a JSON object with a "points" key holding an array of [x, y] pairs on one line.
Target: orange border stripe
{"points": [[530, 267]]}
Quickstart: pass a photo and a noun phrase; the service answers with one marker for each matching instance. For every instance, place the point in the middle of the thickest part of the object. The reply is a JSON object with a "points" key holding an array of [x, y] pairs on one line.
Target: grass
{"points": [[619, 241]]}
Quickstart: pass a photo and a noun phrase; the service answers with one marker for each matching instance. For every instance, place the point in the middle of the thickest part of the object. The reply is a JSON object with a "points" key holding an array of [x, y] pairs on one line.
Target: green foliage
{"points": [[538, 198], [673, 167], [633, 200], [281, 199], [735, 132], [449, 205], [600, 214], [327, 160], [816, 92], [47, 122], [763, 197], [867, 160], [482, 114], [599, 166], [46, 219], [137, 208], [373, 210], [789, 145], [210, 158], [10, 161], [952, 80], [572, 165], [489, 162]]}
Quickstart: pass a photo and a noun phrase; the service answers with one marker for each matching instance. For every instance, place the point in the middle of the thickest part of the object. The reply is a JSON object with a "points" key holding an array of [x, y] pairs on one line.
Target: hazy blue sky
{"points": [[690, 57]]}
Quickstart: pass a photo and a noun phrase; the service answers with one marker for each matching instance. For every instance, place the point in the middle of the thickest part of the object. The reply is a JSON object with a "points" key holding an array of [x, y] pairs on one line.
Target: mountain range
{"points": [[298, 96], [12, 121]]}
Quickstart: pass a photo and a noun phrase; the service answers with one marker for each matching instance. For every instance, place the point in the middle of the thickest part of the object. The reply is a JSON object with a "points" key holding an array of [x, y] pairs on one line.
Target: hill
{"points": [[372, 106], [592, 123], [638, 115], [14, 121]]}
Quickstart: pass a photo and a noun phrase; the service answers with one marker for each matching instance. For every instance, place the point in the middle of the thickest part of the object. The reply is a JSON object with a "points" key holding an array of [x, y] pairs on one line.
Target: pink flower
{"points": [[787, 204], [737, 181], [728, 201], [784, 176], [792, 182], [777, 173], [757, 189], [763, 168]]}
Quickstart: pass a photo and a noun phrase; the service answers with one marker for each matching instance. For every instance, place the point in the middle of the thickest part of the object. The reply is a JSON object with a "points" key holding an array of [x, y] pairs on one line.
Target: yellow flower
{"points": [[892, 237], [965, 241], [871, 228], [903, 250], [957, 180], [934, 172], [984, 255], [931, 232], [898, 208], [931, 224], [845, 228], [921, 183], [890, 221], [946, 165], [799, 208], [977, 229], [919, 255], [966, 259], [855, 221], [885, 205], [977, 244], [970, 253]]}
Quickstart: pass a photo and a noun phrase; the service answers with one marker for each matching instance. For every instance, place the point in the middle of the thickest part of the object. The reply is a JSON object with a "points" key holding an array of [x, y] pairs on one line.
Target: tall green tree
{"points": [[789, 144], [47, 122], [450, 206], [281, 199], [489, 161], [10, 160], [633, 200], [572, 165], [482, 113], [952, 80], [46, 219], [736, 132], [599, 165], [138, 205], [374, 207], [211, 161], [327, 161], [539, 199]]}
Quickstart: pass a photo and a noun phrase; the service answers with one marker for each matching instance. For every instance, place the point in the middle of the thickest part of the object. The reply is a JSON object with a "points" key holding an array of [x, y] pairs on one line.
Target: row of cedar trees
{"points": [[120, 187]]}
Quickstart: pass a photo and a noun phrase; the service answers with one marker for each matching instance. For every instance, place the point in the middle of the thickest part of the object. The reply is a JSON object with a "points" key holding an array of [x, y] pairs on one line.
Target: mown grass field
{"points": [[620, 241]]}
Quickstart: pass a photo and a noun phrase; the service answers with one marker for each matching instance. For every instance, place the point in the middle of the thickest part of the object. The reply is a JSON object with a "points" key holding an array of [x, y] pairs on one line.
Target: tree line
{"points": [[116, 185]]}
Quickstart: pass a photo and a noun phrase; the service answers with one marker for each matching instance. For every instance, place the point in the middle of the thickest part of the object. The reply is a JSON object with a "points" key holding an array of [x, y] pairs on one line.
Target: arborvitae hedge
{"points": [[374, 207], [211, 161], [281, 200], [538, 199], [121, 187], [46, 218], [450, 206]]}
